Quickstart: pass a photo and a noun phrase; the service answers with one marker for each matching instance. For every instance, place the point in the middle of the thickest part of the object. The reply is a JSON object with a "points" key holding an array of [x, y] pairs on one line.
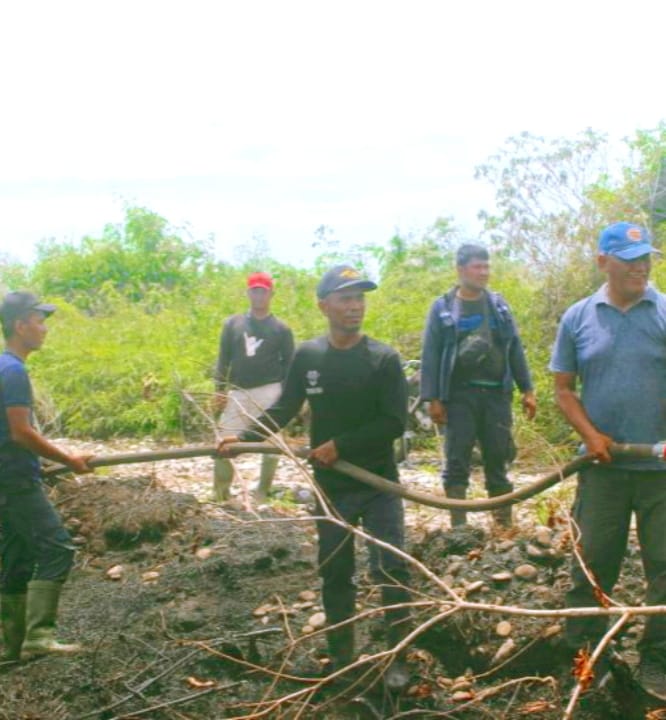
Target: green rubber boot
{"points": [[268, 466], [224, 473], [41, 614], [12, 615]]}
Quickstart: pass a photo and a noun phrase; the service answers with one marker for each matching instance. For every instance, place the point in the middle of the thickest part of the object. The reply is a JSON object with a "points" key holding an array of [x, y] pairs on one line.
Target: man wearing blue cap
{"points": [[614, 342]]}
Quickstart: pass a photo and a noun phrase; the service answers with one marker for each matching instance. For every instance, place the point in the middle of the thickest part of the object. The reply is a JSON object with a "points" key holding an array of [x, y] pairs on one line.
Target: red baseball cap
{"points": [[260, 280]]}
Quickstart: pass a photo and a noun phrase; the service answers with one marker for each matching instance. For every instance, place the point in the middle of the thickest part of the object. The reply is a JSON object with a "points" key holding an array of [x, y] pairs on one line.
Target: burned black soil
{"points": [[188, 609]]}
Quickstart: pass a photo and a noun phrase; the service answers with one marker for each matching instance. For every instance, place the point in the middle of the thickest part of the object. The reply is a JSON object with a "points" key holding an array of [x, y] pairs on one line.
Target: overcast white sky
{"points": [[242, 118]]}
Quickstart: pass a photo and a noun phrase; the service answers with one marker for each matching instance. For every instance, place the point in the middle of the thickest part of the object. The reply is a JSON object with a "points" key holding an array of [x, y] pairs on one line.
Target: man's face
{"points": [[32, 330], [344, 309], [475, 274], [260, 299], [627, 278]]}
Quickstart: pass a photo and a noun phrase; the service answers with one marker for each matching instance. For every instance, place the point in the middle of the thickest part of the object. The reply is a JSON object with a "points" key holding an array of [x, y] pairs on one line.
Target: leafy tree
{"points": [[142, 253], [13, 275]]}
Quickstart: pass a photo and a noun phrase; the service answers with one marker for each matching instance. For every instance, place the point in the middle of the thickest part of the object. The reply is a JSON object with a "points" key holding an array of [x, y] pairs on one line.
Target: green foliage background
{"points": [[134, 341]]}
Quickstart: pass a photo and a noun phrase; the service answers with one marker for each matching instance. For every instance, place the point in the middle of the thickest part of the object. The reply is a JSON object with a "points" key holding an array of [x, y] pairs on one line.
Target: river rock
{"points": [[318, 620], [462, 696], [543, 536], [505, 546], [116, 572], [461, 683], [501, 577], [474, 587], [526, 572], [504, 651]]}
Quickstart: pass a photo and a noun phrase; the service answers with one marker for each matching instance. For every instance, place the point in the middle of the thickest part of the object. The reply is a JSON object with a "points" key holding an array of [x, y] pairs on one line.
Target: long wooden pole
{"points": [[369, 478]]}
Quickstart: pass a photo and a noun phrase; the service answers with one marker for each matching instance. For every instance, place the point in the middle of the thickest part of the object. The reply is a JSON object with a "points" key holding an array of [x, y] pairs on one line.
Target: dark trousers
{"points": [[605, 500], [33, 542], [483, 414], [382, 516]]}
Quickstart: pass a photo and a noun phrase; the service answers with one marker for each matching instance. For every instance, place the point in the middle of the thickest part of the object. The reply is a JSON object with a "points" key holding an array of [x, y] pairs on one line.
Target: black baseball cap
{"points": [[343, 277], [17, 304]]}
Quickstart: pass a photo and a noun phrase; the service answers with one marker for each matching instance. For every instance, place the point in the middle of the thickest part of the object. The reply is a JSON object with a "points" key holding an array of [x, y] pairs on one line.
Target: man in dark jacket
{"points": [[472, 356], [357, 393]]}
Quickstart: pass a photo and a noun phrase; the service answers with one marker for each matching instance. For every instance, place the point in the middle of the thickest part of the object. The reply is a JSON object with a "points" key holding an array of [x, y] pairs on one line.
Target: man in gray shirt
{"points": [[614, 343]]}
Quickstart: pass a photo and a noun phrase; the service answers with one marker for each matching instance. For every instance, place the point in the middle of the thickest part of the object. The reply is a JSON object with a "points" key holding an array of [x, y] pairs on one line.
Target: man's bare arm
{"points": [[567, 400], [23, 434]]}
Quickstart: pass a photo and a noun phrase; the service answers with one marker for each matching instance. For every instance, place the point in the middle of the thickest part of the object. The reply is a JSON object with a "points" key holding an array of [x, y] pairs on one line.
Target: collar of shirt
{"points": [[600, 297]]}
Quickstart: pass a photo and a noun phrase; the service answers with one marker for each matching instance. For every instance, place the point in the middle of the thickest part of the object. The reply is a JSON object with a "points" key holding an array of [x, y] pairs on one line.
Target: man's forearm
{"points": [[30, 439], [573, 410]]}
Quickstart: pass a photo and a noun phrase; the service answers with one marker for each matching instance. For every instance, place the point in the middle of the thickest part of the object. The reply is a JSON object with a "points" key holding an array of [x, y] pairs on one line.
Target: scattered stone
{"points": [[533, 551], [150, 576], [261, 610], [501, 577], [544, 594], [462, 696], [116, 572], [504, 628], [543, 536], [307, 629], [526, 572], [318, 620], [505, 545], [307, 595], [473, 587], [443, 682], [552, 630], [505, 650], [203, 553], [303, 605], [461, 683], [454, 568]]}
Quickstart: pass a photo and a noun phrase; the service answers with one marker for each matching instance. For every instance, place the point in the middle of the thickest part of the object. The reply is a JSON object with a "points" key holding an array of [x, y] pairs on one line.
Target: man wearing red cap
{"points": [[255, 351]]}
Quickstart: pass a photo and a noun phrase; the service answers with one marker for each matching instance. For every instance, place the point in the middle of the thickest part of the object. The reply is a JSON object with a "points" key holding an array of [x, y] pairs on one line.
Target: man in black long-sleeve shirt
{"points": [[357, 393]]}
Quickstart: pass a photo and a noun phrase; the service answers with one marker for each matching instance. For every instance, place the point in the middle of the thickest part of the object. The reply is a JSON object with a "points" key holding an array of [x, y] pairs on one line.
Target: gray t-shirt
{"points": [[620, 359]]}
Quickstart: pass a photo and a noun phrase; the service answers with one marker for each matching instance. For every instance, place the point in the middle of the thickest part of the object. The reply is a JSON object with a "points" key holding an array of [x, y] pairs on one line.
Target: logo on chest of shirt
{"points": [[313, 387], [251, 344]]}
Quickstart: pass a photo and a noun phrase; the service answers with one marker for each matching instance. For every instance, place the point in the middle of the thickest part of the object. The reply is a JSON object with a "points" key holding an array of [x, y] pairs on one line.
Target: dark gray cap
{"points": [[343, 277], [17, 304]]}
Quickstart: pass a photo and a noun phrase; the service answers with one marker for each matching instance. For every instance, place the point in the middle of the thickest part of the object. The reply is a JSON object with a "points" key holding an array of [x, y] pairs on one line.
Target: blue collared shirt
{"points": [[619, 357]]}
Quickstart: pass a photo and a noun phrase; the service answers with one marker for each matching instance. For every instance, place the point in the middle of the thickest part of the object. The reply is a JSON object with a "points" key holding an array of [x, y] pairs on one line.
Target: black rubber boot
{"points": [[341, 644], [397, 675]]}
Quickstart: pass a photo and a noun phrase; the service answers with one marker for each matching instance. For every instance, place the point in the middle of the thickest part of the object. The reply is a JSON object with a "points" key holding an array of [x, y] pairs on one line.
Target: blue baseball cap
{"points": [[626, 241]]}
